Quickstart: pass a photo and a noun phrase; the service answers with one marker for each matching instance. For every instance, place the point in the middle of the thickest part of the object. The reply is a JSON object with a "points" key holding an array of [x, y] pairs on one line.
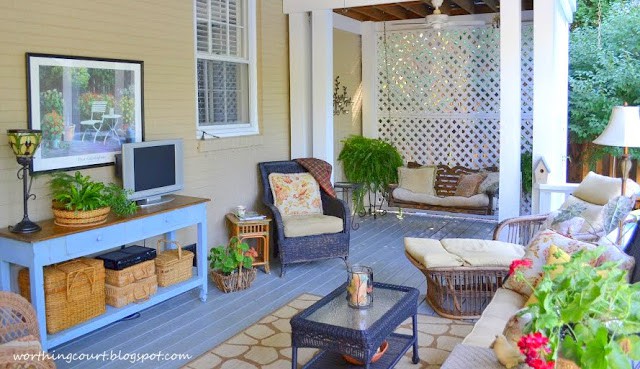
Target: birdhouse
{"points": [[541, 171]]}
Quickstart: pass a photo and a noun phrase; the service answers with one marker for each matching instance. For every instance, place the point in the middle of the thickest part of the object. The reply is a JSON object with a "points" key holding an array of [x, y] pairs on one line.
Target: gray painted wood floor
{"points": [[185, 325]]}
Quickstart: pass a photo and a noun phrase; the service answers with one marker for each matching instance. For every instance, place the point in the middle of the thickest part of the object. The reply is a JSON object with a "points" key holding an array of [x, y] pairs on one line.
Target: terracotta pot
{"points": [[381, 350]]}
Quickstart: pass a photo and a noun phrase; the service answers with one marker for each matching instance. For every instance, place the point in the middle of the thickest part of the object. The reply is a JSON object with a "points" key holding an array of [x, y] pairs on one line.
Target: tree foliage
{"points": [[604, 69]]}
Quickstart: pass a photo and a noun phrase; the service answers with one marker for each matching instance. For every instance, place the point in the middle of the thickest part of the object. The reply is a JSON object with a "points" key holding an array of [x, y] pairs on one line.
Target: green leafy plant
{"points": [[51, 100], [81, 193], [589, 315], [374, 163], [526, 168], [231, 257], [52, 125]]}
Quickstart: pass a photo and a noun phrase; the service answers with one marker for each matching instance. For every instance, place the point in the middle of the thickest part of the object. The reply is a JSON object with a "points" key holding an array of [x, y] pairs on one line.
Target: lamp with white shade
{"points": [[623, 131]]}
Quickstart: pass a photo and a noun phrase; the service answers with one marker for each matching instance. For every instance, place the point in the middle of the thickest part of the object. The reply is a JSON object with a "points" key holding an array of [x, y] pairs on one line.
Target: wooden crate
{"points": [[134, 273], [74, 291], [137, 291]]}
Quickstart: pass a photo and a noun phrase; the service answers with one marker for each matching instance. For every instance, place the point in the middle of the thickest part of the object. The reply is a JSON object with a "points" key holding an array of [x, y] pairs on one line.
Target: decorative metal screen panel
{"points": [[439, 94]]}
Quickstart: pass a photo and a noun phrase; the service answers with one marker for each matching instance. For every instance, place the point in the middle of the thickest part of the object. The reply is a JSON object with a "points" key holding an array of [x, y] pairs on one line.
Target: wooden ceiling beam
{"points": [[418, 8], [493, 4], [396, 11], [527, 4], [467, 5], [353, 15], [374, 13]]}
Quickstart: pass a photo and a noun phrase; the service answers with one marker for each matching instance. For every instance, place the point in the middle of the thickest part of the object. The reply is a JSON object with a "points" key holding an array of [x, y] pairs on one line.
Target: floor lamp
{"points": [[623, 131], [24, 143]]}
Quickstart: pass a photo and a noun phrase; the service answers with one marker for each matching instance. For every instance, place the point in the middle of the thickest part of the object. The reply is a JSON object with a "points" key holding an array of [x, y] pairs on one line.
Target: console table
{"points": [[55, 244]]}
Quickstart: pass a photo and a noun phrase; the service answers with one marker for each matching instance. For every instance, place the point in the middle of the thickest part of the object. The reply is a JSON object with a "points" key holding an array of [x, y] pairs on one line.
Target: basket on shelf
{"points": [[236, 281], [74, 291], [138, 291], [173, 266], [78, 218]]}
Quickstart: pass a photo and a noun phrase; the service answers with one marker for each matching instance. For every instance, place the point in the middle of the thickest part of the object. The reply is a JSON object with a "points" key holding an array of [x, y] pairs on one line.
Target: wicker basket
{"points": [[135, 292], [74, 291], [134, 273], [173, 266], [234, 281], [75, 218]]}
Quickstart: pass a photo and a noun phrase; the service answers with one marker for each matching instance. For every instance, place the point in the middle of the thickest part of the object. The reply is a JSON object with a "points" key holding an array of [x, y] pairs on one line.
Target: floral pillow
{"points": [[538, 252], [295, 193], [563, 223]]}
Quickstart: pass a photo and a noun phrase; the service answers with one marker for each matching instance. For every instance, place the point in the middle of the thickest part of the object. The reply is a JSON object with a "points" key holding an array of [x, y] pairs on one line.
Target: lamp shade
{"points": [[24, 142], [623, 129]]}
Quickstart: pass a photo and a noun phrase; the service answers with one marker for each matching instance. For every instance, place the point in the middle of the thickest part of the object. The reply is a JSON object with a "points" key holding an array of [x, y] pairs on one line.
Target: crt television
{"points": [[152, 169]]}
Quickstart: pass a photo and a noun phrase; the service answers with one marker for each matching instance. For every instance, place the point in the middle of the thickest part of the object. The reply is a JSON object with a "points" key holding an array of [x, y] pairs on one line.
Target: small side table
{"points": [[347, 189], [256, 229]]}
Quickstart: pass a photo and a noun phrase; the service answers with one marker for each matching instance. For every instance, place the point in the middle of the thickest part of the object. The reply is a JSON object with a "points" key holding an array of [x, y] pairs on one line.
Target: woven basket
{"points": [[74, 291], [234, 281], [173, 266], [77, 218], [132, 274], [135, 292]]}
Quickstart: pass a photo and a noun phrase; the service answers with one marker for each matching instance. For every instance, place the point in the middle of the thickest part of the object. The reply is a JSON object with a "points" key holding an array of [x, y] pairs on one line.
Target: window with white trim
{"points": [[226, 74]]}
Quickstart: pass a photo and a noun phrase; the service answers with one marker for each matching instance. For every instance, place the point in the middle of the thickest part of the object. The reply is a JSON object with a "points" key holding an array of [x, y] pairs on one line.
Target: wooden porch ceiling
{"points": [[420, 9]]}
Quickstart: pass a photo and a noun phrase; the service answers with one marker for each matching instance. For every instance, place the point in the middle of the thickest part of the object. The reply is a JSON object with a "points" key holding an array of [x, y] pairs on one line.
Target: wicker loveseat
{"points": [[444, 199], [309, 247]]}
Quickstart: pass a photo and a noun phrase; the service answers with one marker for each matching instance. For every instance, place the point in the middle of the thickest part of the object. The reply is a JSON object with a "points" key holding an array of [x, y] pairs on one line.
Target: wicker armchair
{"points": [[519, 230], [18, 320], [305, 248]]}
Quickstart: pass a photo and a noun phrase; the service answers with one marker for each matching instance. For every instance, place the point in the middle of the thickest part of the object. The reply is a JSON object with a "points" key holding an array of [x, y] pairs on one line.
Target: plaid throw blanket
{"points": [[321, 171]]}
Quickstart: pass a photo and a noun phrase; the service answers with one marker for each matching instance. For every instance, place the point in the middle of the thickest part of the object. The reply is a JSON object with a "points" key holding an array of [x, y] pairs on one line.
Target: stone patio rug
{"points": [[267, 343]]}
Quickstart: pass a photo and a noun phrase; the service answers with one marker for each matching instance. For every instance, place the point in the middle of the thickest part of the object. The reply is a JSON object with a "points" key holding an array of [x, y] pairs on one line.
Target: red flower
{"points": [[520, 263], [535, 346]]}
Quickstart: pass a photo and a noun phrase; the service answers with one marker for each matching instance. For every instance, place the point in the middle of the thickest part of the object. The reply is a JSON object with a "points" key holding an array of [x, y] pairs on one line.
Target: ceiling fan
{"points": [[438, 20]]}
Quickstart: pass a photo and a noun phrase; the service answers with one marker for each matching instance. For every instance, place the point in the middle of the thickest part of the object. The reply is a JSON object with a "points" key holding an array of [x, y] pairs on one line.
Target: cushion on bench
{"points": [[483, 253], [418, 180], [311, 224], [477, 200], [503, 306], [430, 253]]}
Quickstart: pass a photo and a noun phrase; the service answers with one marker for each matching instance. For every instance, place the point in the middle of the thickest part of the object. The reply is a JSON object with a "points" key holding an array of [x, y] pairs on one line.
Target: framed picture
{"points": [[85, 107]]}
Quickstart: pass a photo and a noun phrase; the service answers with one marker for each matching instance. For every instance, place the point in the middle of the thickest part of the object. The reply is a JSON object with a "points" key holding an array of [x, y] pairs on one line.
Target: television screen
{"points": [[154, 167]]}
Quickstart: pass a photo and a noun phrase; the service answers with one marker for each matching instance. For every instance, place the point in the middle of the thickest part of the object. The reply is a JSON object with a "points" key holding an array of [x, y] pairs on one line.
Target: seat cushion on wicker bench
{"points": [[483, 253], [430, 253], [465, 356], [311, 224], [494, 318], [454, 252], [477, 200]]}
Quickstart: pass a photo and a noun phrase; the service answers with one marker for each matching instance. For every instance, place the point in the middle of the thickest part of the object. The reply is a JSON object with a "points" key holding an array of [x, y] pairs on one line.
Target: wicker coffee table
{"points": [[336, 329]]}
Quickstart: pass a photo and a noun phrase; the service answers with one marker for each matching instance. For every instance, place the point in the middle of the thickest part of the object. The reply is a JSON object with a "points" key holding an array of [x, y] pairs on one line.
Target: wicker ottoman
{"points": [[462, 274]]}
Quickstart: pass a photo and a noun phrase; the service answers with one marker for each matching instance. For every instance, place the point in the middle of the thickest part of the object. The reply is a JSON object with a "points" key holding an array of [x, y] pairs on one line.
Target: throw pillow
{"points": [[490, 183], [591, 213], [556, 257], [514, 329], [613, 253], [598, 189], [506, 353], [563, 223], [537, 252], [419, 180], [295, 193], [468, 184]]}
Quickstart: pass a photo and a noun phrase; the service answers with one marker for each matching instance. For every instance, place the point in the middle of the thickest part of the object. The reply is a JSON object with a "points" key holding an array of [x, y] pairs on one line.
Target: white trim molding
{"points": [[346, 24], [299, 6]]}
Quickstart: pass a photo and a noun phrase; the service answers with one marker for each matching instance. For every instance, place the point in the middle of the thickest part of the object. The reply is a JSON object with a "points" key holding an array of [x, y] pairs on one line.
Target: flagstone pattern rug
{"points": [[267, 344]]}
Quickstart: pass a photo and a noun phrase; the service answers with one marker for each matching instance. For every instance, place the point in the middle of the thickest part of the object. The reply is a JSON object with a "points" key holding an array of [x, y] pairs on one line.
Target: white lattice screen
{"points": [[439, 94]]}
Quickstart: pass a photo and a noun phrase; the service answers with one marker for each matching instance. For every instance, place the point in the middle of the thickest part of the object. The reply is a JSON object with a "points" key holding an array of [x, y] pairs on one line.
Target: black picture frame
{"points": [[86, 108]]}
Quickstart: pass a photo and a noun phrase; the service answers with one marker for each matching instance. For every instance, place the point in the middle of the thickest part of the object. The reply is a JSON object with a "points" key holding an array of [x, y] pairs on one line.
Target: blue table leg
{"points": [[416, 358]]}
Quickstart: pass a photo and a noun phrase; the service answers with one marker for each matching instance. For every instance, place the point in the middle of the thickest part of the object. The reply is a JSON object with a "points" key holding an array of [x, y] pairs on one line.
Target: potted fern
{"points": [[80, 201], [371, 162]]}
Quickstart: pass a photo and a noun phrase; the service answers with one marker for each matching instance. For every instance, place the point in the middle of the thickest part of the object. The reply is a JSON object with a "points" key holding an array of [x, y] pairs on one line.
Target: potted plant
{"points": [[52, 128], [586, 317], [78, 200], [231, 265], [372, 162]]}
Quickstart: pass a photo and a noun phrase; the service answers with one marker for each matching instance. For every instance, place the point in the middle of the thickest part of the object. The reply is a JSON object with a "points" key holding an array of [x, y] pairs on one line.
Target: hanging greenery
{"points": [[374, 163]]}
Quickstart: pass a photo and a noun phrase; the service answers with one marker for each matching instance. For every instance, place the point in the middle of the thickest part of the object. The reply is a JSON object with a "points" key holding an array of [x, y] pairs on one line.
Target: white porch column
{"points": [[369, 80], [322, 83], [300, 84], [550, 92], [510, 101]]}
